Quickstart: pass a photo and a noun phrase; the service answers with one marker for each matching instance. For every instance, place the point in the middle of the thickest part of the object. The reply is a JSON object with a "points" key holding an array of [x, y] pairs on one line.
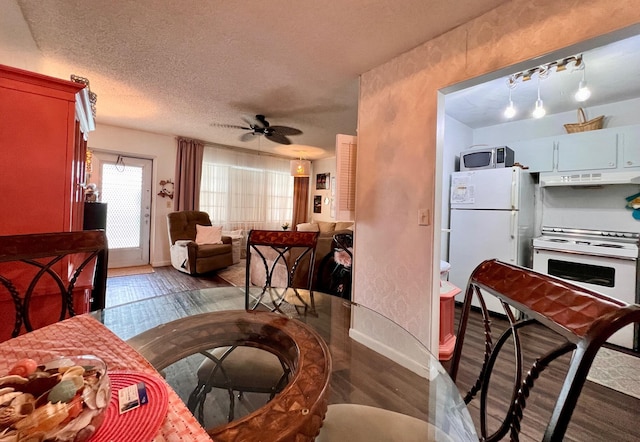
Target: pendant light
{"points": [[539, 110], [583, 92], [300, 168], [510, 111]]}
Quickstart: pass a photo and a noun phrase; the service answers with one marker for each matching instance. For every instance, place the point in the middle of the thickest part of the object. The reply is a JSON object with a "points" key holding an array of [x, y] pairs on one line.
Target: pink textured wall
{"points": [[397, 139]]}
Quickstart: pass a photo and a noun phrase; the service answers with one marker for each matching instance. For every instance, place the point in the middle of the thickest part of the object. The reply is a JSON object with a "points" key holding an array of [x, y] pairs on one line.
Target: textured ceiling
{"points": [[180, 67]]}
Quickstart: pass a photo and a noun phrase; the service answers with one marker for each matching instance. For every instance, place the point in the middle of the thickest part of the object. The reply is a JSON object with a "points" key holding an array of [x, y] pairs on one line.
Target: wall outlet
{"points": [[169, 204], [423, 217]]}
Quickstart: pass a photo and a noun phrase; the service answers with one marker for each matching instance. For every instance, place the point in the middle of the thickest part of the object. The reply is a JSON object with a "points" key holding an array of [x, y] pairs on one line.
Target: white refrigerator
{"points": [[492, 216]]}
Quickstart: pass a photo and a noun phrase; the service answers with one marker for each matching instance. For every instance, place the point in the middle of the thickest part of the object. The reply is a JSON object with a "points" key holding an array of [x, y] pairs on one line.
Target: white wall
{"points": [[325, 165], [597, 208], [162, 150]]}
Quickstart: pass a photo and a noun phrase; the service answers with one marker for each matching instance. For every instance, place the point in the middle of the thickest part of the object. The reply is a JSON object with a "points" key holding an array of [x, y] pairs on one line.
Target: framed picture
{"points": [[317, 204], [323, 181]]}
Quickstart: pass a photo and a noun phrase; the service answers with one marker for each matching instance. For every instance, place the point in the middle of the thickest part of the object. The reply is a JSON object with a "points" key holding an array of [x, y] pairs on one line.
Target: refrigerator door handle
{"points": [[513, 192], [512, 230]]}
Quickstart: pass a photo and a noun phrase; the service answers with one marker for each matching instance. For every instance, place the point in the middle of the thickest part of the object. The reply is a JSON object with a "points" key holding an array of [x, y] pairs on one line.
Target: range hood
{"points": [[588, 178]]}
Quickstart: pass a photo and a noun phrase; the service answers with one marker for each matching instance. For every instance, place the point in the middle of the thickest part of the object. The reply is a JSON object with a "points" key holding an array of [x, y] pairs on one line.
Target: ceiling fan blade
{"points": [[277, 138], [247, 137], [262, 120], [285, 130]]}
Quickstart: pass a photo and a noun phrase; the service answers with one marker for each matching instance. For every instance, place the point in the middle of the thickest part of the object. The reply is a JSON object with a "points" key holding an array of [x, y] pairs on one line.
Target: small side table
{"points": [[448, 293]]}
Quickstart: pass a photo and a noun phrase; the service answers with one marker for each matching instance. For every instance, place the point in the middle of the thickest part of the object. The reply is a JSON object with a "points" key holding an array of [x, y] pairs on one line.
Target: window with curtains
{"points": [[246, 191]]}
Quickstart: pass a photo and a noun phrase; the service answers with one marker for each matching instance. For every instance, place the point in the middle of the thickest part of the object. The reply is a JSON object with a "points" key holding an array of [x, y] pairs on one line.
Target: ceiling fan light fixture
{"points": [[300, 168]]}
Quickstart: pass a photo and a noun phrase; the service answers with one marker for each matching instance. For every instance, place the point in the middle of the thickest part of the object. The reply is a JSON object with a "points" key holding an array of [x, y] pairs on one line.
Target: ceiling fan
{"points": [[277, 134]]}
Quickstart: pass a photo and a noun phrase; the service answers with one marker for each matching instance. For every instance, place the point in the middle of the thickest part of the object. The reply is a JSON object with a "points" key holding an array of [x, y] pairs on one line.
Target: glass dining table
{"points": [[340, 352]]}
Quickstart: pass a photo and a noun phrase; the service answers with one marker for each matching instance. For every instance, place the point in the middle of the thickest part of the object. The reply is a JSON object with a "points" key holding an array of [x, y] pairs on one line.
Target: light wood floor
{"points": [[602, 414]]}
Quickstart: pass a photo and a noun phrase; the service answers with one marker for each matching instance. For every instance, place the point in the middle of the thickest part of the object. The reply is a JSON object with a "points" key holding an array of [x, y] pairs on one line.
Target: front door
{"points": [[124, 183]]}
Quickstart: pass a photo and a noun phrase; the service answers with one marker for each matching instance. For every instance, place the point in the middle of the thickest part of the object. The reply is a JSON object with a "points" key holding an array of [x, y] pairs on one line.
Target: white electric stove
{"points": [[604, 261]]}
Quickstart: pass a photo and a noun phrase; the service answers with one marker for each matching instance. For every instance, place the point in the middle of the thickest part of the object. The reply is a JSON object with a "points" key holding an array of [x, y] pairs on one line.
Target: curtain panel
{"points": [[246, 191], [188, 174], [300, 201]]}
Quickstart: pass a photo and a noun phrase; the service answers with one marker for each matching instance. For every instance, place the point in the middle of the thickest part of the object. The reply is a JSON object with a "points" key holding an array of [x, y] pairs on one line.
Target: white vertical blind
{"points": [[346, 175], [245, 191]]}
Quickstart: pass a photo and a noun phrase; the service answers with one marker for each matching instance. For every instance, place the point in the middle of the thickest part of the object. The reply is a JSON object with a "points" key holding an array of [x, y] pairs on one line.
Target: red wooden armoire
{"points": [[42, 154], [42, 161]]}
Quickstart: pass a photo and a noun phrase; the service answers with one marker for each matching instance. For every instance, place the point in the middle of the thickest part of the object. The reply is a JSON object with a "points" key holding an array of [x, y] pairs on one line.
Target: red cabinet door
{"points": [[38, 183]]}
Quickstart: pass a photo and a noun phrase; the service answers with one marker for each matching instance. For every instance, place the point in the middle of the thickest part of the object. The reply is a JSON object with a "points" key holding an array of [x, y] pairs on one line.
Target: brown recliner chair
{"points": [[189, 257]]}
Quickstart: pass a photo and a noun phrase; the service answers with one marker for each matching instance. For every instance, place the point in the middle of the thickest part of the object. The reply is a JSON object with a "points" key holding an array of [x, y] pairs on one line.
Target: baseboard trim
{"points": [[391, 353], [160, 263]]}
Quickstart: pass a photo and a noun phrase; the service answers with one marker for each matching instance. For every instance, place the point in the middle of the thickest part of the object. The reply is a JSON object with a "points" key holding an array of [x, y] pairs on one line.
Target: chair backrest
{"points": [[182, 225], [580, 320], [285, 258], [344, 241], [39, 272]]}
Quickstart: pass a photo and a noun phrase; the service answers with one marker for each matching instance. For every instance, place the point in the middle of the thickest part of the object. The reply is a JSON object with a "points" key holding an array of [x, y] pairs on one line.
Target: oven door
{"points": [[614, 277]]}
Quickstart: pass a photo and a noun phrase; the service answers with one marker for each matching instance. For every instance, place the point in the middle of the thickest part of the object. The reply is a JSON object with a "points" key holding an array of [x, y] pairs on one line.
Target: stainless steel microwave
{"points": [[486, 158]]}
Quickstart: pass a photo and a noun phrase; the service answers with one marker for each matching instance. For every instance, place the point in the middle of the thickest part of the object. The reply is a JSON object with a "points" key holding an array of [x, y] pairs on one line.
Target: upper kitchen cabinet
{"points": [[591, 150], [537, 155], [629, 141], [42, 153]]}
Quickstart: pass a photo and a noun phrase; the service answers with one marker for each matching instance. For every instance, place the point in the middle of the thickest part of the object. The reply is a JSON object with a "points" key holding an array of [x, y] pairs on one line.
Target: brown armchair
{"points": [[190, 257]]}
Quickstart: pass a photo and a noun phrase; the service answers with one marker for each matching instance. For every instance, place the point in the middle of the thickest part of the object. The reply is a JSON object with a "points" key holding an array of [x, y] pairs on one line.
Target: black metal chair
{"points": [[579, 322], [283, 262], [279, 257], [47, 276]]}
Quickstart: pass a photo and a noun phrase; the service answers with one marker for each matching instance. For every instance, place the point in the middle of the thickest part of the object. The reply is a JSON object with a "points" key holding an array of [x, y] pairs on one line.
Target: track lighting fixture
{"points": [[542, 72]]}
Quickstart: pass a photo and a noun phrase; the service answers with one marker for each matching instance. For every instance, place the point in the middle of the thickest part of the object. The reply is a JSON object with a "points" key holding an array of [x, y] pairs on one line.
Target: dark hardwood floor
{"points": [[602, 414], [164, 280]]}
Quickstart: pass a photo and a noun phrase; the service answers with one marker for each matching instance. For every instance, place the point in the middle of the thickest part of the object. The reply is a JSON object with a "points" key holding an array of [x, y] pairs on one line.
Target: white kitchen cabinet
{"points": [[629, 141], [537, 154], [587, 151]]}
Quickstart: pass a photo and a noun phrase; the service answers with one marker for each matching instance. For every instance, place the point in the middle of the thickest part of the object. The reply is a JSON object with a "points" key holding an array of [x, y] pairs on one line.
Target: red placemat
{"points": [[139, 424]]}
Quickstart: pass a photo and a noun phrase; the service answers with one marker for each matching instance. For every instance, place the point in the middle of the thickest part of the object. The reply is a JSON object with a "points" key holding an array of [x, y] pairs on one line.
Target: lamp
{"points": [[583, 92], [510, 111], [539, 110], [300, 168], [543, 72]]}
